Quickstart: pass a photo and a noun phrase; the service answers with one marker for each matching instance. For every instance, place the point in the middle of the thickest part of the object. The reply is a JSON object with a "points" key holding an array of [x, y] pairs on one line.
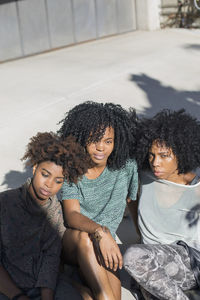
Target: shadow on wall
{"points": [[161, 96], [14, 179]]}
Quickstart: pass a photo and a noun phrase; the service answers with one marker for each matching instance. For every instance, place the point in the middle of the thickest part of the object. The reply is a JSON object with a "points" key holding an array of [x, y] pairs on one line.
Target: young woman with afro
{"points": [[31, 221], [94, 207], [167, 263]]}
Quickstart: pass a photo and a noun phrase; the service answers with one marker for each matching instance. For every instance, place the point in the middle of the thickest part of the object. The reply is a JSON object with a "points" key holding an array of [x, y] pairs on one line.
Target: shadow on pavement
{"points": [[192, 47], [161, 96]]}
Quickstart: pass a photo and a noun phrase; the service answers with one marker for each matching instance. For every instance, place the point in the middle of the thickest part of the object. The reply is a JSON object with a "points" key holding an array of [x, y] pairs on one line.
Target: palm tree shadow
{"points": [[161, 96]]}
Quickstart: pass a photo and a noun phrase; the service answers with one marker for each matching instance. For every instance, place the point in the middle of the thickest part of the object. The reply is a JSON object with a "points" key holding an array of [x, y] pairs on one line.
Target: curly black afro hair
{"points": [[88, 121], [176, 130], [66, 153]]}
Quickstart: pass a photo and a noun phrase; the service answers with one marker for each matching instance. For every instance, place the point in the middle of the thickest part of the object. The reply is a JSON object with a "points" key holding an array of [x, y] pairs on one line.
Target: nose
{"points": [[48, 182], [99, 146], [155, 161]]}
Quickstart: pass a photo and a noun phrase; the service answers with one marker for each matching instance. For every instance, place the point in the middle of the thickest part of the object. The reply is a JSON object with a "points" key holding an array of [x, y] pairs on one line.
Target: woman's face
{"points": [[101, 150], [163, 162], [46, 182]]}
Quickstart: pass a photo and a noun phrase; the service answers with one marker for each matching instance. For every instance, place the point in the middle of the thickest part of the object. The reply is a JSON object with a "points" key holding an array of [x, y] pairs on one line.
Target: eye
{"points": [[59, 181], [164, 155], [45, 174], [109, 142]]}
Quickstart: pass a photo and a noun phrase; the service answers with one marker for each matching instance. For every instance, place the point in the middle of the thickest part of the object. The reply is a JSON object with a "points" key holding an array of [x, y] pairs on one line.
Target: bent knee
{"points": [[136, 254], [137, 260], [85, 244]]}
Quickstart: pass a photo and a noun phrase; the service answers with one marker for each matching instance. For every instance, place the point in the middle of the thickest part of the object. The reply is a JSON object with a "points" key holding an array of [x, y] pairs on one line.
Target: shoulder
{"points": [[131, 163], [9, 194], [55, 205], [54, 210], [70, 190], [128, 171], [131, 166], [67, 185]]}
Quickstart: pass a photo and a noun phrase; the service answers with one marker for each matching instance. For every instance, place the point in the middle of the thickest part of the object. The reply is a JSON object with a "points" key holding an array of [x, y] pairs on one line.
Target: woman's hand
{"points": [[109, 250]]}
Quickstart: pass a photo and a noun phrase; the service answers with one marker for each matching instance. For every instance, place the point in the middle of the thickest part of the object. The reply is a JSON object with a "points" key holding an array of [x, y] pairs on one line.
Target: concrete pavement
{"points": [[146, 70]]}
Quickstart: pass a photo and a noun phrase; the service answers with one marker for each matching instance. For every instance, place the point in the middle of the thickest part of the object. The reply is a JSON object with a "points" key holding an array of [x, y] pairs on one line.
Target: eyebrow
{"points": [[161, 152], [51, 174], [109, 138]]}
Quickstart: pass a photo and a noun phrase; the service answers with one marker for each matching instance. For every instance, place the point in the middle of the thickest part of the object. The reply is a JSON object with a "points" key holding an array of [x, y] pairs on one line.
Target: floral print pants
{"points": [[163, 271]]}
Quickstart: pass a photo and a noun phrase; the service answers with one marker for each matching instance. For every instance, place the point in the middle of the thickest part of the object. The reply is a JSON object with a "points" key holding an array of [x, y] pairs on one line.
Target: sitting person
{"points": [[167, 263], [94, 207], [31, 221]]}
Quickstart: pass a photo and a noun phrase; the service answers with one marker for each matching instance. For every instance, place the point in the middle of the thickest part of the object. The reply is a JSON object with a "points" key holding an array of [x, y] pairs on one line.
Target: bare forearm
{"points": [[7, 286], [80, 222]]}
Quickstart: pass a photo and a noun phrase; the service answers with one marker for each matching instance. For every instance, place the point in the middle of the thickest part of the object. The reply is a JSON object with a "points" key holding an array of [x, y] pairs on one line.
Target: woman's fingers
{"points": [[110, 261], [120, 260], [111, 253], [106, 261], [115, 262]]}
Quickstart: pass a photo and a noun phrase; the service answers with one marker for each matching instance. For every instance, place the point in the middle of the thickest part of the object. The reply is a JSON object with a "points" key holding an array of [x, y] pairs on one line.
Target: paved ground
{"points": [[146, 70]]}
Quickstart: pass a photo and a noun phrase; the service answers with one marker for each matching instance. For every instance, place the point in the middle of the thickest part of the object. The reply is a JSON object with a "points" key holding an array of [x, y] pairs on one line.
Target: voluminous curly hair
{"points": [[176, 130], [66, 153], [88, 121]]}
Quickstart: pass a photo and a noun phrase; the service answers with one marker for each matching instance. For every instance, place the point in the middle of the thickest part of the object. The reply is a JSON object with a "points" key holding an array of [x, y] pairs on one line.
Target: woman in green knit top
{"points": [[94, 207]]}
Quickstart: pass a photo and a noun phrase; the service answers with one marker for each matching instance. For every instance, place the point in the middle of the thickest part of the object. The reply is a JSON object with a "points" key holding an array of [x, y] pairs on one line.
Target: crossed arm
{"points": [[109, 249]]}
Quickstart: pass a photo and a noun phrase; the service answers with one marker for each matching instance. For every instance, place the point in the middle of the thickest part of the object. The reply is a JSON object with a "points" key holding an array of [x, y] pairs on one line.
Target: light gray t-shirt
{"points": [[104, 199], [169, 211]]}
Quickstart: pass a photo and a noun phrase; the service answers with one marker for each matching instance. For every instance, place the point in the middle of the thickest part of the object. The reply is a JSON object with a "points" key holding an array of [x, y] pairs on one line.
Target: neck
{"points": [[188, 177], [34, 196], [184, 179], [95, 172]]}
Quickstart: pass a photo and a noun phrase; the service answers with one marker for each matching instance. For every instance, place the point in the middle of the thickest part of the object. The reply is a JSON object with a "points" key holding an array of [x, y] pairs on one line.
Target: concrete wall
{"points": [[148, 14], [33, 26]]}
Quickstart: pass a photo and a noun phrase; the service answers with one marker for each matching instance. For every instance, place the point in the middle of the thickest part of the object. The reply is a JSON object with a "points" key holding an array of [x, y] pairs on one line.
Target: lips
{"points": [[45, 192], [157, 173], [99, 156]]}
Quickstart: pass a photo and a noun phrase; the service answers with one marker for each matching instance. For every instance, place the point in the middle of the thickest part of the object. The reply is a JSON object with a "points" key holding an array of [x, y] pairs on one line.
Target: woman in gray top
{"points": [[167, 263]]}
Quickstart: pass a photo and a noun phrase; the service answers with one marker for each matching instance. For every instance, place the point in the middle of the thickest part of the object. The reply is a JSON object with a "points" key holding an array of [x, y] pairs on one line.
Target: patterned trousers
{"points": [[163, 271]]}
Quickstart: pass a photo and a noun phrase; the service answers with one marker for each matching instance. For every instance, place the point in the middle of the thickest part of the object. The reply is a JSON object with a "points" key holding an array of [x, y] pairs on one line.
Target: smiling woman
{"points": [[166, 264]]}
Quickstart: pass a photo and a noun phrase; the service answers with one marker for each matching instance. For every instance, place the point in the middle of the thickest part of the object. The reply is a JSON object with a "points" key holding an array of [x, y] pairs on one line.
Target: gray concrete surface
{"points": [[146, 70]]}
